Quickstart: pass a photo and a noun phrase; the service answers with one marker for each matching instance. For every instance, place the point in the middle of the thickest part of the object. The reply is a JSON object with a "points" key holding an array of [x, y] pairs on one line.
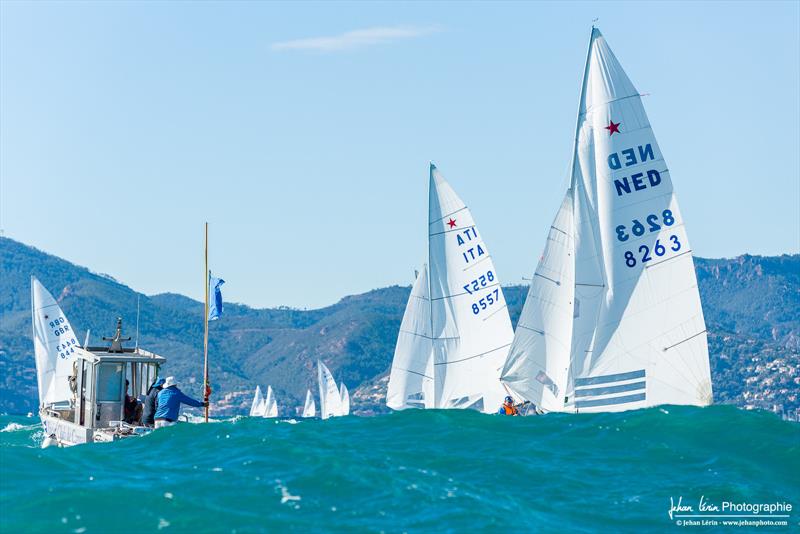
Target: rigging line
{"points": [[465, 293], [475, 356], [494, 312], [448, 215], [685, 340], [589, 108], [423, 375], [529, 328], [453, 230], [556, 282], [651, 265], [590, 285]]}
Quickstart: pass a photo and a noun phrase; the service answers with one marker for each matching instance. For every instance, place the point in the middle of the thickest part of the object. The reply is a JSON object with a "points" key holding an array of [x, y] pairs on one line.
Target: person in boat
{"points": [[169, 403], [133, 409], [151, 403], [508, 407]]}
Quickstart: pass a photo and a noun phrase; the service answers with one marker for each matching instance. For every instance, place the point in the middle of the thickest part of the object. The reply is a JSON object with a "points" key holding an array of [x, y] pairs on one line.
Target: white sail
{"points": [[638, 335], [411, 377], [256, 409], [330, 401], [55, 345], [345, 397], [310, 408], [471, 329], [270, 405], [538, 361]]}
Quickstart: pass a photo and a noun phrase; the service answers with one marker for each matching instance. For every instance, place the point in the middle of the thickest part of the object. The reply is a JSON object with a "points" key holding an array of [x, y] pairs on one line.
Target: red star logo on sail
{"points": [[613, 127], [451, 222]]}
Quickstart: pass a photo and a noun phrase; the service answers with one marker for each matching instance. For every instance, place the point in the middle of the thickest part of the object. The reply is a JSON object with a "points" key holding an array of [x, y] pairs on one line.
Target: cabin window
{"points": [[109, 382]]}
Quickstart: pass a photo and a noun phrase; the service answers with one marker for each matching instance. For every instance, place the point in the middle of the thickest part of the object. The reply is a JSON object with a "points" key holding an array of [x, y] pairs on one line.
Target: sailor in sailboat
{"points": [[508, 407], [169, 403]]}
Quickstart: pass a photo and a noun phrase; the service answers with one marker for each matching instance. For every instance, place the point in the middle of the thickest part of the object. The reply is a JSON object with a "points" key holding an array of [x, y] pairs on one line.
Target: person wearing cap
{"points": [[508, 407], [151, 403], [169, 403]]}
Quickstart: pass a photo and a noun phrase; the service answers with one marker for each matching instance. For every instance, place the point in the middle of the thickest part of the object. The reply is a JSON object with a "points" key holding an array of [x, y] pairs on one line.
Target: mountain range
{"points": [[750, 304]]}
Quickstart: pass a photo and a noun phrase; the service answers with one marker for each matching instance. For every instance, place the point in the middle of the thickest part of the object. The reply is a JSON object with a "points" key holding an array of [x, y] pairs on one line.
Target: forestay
{"points": [[54, 346], [310, 407], [330, 401], [638, 337]]}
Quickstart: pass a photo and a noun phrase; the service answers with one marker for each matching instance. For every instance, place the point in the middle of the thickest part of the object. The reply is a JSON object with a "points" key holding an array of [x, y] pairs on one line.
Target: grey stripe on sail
{"points": [[475, 356], [558, 230], [607, 390], [610, 401], [529, 328], [494, 312], [409, 332], [445, 216], [423, 375], [588, 381], [651, 265], [468, 267], [453, 230], [465, 293]]}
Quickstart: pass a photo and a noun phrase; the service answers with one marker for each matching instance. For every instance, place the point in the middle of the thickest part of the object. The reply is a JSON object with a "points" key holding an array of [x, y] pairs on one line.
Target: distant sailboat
{"points": [[310, 408], [257, 408], [270, 405], [613, 319], [330, 400], [456, 331], [345, 396]]}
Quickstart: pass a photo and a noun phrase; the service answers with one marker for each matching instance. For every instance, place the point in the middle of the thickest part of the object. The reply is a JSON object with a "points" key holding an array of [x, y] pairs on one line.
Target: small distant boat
{"points": [[613, 319], [330, 399], [345, 396], [310, 407], [82, 389], [456, 330], [258, 406], [270, 405]]}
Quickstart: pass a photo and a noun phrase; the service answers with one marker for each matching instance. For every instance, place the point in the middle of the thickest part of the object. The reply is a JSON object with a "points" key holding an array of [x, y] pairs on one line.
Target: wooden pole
{"points": [[205, 334]]}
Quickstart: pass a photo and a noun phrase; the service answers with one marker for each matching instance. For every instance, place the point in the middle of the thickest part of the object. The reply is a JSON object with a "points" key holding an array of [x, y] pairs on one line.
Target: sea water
{"points": [[430, 471]]}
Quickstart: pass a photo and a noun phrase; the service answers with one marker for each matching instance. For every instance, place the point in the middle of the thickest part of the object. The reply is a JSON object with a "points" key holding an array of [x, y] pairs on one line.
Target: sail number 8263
{"points": [[659, 249]]}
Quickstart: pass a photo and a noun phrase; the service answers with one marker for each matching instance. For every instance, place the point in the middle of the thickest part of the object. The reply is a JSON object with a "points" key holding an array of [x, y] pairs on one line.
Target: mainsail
{"points": [[456, 360], [257, 408], [310, 408], [330, 401], [623, 267], [270, 406], [54, 346], [345, 396]]}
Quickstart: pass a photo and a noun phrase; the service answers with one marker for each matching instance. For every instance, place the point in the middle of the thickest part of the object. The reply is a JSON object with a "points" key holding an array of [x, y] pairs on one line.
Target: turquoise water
{"points": [[412, 471]]}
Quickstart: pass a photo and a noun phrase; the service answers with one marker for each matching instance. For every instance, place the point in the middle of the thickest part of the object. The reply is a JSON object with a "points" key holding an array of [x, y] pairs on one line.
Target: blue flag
{"points": [[215, 306]]}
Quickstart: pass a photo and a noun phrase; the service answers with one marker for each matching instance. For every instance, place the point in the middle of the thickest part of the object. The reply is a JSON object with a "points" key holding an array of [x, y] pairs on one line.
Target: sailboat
{"points": [[257, 408], [309, 408], [456, 331], [270, 405], [344, 395], [613, 320], [330, 400]]}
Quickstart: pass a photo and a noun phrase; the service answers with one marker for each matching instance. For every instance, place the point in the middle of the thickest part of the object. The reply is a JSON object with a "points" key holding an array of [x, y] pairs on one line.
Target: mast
{"points": [[205, 334]]}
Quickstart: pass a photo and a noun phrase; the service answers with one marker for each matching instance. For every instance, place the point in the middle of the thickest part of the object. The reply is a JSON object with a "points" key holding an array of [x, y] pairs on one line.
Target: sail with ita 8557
{"points": [[456, 331], [613, 319]]}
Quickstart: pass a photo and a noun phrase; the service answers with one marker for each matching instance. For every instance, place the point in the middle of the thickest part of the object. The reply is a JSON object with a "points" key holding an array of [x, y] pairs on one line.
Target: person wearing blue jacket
{"points": [[169, 403]]}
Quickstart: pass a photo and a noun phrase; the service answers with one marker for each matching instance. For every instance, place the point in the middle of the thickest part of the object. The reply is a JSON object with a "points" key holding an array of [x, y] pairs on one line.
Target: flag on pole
{"points": [[215, 306]]}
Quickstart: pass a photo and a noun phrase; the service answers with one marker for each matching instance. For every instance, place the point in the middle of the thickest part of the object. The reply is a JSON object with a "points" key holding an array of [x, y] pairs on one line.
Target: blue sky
{"points": [[302, 132]]}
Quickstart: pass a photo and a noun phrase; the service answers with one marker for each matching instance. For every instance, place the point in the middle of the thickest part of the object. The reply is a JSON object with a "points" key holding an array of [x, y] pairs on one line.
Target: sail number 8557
{"points": [[485, 302], [659, 249]]}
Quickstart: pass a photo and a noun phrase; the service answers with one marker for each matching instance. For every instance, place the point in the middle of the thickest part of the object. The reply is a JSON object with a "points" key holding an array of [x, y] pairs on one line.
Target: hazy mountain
{"points": [[750, 304]]}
